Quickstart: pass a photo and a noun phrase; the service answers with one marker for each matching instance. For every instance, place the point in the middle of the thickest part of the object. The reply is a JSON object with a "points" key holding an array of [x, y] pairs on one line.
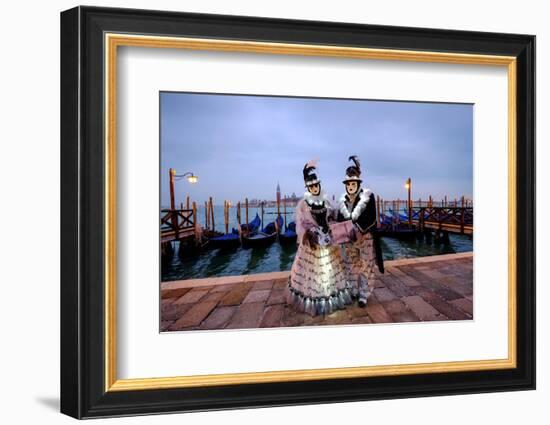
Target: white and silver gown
{"points": [[317, 283]]}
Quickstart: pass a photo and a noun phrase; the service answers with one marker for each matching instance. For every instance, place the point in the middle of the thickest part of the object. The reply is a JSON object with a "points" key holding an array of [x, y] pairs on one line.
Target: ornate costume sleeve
{"points": [[304, 221]]}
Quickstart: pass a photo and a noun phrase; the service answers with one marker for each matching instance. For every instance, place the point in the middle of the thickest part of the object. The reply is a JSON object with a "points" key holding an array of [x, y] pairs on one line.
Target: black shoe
{"points": [[362, 302]]}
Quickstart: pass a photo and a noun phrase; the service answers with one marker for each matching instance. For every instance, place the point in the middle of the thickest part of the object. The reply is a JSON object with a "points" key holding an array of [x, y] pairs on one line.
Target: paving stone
{"points": [[378, 314], [399, 312], [195, 315], [433, 273], [236, 296], [272, 316], [396, 287], [355, 311], [464, 304], [432, 284], [276, 297], [460, 286], [280, 284], [361, 320], [339, 317], [174, 293], [292, 318], [266, 284], [226, 287], [192, 296], [174, 311], [312, 320], [247, 316], [164, 325], [257, 296], [384, 294], [219, 317], [213, 296], [422, 309], [447, 308], [166, 302], [371, 300], [403, 277]]}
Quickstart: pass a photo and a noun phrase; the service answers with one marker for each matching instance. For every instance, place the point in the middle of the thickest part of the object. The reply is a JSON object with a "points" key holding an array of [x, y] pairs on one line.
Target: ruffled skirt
{"points": [[317, 282], [360, 260]]}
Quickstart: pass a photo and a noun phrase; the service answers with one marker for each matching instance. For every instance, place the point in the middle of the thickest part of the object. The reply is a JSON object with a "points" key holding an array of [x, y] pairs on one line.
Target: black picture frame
{"points": [[83, 392]]}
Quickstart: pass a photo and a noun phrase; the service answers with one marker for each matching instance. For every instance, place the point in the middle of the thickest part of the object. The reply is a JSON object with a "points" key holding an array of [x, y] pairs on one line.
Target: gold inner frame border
{"points": [[113, 40]]}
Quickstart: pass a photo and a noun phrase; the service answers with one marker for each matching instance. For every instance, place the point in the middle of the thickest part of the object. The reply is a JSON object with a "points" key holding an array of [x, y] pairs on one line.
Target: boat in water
{"points": [[250, 228], [289, 236], [266, 237], [227, 241]]}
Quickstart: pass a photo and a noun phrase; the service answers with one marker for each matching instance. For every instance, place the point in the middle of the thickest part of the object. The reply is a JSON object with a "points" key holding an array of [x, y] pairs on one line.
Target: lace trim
{"points": [[315, 306]]}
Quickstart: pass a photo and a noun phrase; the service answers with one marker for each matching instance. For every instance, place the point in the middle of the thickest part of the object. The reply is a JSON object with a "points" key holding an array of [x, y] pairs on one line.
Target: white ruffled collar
{"points": [[364, 194], [315, 199]]}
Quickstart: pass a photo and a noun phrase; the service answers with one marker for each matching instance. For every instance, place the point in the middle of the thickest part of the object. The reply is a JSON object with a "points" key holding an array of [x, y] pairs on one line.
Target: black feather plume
{"points": [[355, 161]]}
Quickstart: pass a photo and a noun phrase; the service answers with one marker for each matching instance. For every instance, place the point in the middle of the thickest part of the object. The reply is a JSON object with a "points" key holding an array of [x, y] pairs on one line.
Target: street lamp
{"points": [[191, 178], [408, 185]]}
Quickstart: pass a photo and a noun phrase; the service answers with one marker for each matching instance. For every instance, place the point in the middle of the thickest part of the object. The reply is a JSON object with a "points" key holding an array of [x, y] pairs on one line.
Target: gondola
{"points": [[228, 241], [250, 228], [266, 237], [289, 236]]}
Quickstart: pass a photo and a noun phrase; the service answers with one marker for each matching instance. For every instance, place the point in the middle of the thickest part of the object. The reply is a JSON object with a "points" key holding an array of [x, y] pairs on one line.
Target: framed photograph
{"points": [[261, 212]]}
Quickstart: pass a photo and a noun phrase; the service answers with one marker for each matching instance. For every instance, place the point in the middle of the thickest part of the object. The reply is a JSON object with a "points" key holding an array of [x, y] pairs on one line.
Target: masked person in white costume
{"points": [[317, 283], [358, 204]]}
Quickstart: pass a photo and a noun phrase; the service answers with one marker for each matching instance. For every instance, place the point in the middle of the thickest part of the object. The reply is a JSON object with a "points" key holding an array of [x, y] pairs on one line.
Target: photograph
{"points": [[279, 211]]}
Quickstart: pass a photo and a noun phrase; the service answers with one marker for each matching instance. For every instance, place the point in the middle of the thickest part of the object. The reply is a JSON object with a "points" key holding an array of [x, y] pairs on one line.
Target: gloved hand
{"points": [[311, 238], [353, 235]]}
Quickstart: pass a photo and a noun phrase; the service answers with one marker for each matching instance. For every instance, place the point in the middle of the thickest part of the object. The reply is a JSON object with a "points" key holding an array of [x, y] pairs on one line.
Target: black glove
{"points": [[353, 235], [311, 238]]}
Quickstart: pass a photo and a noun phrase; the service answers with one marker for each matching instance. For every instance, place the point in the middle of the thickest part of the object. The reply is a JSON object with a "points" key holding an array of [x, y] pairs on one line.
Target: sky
{"points": [[242, 146]]}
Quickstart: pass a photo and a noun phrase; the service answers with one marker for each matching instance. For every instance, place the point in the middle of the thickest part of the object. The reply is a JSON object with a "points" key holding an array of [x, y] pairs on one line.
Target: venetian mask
{"points": [[352, 187], [314, 189]]}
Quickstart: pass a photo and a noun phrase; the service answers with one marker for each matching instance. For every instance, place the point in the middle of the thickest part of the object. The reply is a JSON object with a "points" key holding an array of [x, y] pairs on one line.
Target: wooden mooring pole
{"points": [[284, 209], [212, 214], [246, 207], [239, 213], [226, 216], [409, 204], [196, 223], [462, 216], [377, 211]]}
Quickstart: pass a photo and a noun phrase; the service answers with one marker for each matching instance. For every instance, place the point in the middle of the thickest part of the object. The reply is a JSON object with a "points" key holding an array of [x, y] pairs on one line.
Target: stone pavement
{"points": [[434, 288]]}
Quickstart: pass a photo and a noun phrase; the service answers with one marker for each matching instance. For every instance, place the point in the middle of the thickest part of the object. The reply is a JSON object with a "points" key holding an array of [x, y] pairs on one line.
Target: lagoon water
{"points": [[279, 258]]}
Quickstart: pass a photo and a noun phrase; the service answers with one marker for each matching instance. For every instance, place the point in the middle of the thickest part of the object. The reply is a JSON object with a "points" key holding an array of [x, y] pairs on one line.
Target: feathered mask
{"points": [[353, 172], [310, 173]]}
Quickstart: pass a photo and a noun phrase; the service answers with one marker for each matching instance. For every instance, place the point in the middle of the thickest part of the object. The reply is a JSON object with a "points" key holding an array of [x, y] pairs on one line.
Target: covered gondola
{"points": [[228, 241], [289, 236], [250, 228], [266, 237]]}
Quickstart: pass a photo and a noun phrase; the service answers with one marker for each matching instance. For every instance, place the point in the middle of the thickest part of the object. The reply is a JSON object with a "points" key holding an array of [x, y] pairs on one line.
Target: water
{"points": [[280, 258]]}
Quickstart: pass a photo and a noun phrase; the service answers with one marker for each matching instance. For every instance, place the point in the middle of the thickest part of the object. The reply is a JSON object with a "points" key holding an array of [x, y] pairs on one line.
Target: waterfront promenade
{"points": [[434, 288]]}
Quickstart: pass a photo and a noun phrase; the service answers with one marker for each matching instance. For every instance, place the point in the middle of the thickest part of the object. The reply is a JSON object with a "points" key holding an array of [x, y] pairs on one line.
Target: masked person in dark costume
{"points": [[317, 283], [358, 204]]}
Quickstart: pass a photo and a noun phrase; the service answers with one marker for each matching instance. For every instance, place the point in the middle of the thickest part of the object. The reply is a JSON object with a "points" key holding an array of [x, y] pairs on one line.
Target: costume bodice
{"points": [[319, 214]]}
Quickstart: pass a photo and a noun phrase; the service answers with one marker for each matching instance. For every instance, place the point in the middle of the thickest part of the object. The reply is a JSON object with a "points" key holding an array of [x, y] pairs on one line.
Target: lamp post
{"points": [[408, 185], [191, 178]]}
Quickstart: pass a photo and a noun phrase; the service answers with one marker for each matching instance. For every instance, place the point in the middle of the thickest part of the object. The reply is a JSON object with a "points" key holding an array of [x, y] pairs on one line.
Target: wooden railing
{"points": [[458, 217], [177, 221]]}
